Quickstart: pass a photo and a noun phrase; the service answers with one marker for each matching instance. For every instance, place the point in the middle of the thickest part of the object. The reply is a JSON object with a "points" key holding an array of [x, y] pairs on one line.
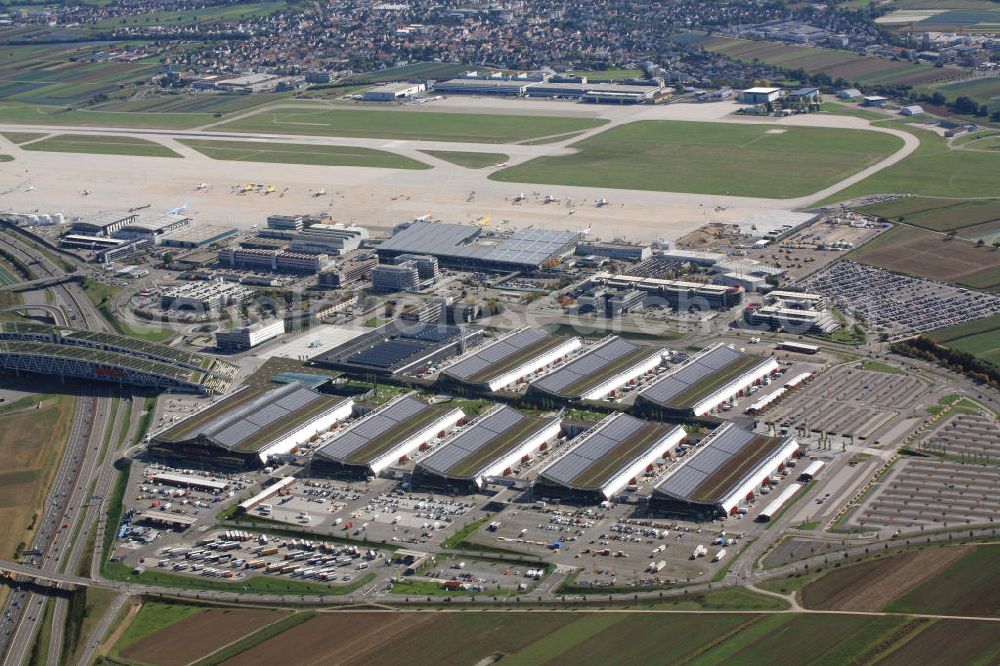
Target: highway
{"points": [[64, 503]]}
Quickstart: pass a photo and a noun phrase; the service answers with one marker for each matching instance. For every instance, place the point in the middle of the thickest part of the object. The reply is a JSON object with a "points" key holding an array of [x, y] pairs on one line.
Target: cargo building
{"points": [[600, 372]]}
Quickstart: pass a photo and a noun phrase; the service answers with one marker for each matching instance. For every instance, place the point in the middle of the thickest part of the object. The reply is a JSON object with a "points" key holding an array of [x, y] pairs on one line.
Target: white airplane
{"points": [[551, 199], [29, 188], [179, 209], [602, 202], [201, 186], [520, 197], [320, 192]]}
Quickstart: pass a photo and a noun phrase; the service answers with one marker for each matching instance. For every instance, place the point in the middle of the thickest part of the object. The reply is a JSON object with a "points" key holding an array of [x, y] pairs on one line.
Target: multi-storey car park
{"points": [[488, 447], [507, 359], [68, 352], [722, 473], [600, 371], [705, 382], [601, 461], [246, 428], [384, 436]]}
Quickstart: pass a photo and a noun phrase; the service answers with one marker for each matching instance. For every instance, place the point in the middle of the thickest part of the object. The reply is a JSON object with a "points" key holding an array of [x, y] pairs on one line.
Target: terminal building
{"points": [[606, 458], [705, 382], [384, 437], [463, 247], [622, 251], [722, 473], [488, 447], [249, 426], [398, 348], [108, 357], [507, 359], [600, 372], [204, 296]]}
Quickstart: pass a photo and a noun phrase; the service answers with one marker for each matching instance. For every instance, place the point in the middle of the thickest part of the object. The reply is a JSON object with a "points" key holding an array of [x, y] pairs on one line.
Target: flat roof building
{"points": [[152, 227], [487, 447], [500, 87], [248, 337], [390, 92], [399, 348], [187, 481], [247, 427], [198, 236], [722, 473], [461, 246], [384, 436], [507, 359], [103, 224], [705, 381], [599, 372], [601, 461], [760, 95]]}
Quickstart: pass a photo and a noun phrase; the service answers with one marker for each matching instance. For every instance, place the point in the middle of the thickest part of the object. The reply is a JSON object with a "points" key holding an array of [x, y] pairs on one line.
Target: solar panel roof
{"points": [[594, 364], [697, 369], [359, 435], [597, 450], [704, 470], [472, 451], [271, 409], [526, 246], [495, 352]]}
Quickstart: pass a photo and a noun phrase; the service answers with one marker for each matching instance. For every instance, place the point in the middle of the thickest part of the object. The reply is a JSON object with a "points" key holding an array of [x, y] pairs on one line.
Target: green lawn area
{"points": [[153, 617], [6, 158], [980, 337], [22, 137], [710, 158], [595, 75], [468, 160], [412, 125], [38, 114], [101, 145], [875, 366], [938, 214], [932, 171], [293, 153], [838, 109]]}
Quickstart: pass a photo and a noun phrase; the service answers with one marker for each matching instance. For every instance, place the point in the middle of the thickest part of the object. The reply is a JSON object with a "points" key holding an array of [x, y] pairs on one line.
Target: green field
{"points": [[970, 586], [595, 75], [100, 145], [293, 153], [152, 618], [6, 158], [468, 160], [981, 338], [598, 638], [415, 71], [932, 171], [35, 114], [203, 16], [966, 217], [22, 137], [984, 90], [837, 63], [710, 158], [413, 125], [192, 103]]}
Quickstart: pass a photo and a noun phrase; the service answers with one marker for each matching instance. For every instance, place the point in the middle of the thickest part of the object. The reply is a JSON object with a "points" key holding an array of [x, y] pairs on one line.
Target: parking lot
{"points": [[847, 401], [902, 305], [973, 437], [932, 494]]}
